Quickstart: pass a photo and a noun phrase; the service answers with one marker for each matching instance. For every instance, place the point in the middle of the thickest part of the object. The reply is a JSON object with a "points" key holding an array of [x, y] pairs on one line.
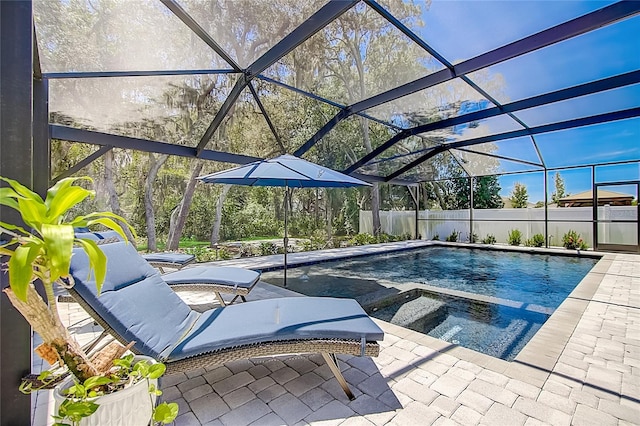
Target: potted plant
{"points": [[43, 252]]}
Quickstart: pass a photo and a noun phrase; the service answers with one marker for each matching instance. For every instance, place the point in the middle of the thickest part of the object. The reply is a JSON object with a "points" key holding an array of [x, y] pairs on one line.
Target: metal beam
{"points": [[41, 140], [564, 125], [266, 117], [502, 157], [83, 163], [16, 145], [222, 113], [97, 138], [343, 113], [301, 92], [323, 17], [561, 32], [200, 32], [575, 27], [107, 74], [547, 98], [406, 31], [326, 101]]}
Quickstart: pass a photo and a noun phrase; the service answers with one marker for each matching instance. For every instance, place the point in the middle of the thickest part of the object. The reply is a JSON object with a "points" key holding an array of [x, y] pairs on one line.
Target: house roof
{"points": [[602, 194]]}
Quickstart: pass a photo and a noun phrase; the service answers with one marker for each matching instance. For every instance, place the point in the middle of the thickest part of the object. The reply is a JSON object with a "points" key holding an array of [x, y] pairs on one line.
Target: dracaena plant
{"points": [[42, 251]]}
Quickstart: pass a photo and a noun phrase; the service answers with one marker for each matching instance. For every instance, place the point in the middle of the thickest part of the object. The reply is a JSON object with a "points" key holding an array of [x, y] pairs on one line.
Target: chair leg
{"points": [[332, 362], [220, 299]]}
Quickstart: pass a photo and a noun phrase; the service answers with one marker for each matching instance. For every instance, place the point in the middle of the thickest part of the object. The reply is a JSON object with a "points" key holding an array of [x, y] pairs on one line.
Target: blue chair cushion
{"points": [[96, 236], [277, 319], [134, 300], [234, 277], [180, 258]]}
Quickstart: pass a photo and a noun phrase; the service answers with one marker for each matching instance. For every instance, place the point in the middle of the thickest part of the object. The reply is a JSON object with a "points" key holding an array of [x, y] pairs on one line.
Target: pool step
{"points": [[417, 313]]}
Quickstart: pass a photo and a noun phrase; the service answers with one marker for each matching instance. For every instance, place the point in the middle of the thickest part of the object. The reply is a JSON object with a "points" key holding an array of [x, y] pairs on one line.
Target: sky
{"points": [[460, 30]]}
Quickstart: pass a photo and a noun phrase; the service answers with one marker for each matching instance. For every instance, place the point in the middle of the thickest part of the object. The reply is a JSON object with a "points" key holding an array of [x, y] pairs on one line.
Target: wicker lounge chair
{"points": [[137, 305], [219, 279]]}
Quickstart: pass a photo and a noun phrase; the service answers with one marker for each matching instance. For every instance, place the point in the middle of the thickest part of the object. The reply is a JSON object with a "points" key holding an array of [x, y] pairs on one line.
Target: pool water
{"points": [[493, 329], [537, 279], [517, 291]]}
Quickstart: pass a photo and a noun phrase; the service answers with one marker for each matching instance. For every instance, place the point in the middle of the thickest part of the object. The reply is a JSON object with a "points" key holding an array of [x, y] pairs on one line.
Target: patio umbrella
{"points": [[287, 171]]}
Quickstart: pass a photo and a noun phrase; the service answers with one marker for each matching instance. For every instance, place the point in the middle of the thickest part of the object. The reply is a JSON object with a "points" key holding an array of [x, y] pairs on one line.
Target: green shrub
{"points": [[246, 250], [363, 239], [536, 241], [385, 238], [474, 238], [515, 237], [436, 237], [267, 248], [453, 237], [202, 254], [572, 241], [224, 254], [489, 239]]}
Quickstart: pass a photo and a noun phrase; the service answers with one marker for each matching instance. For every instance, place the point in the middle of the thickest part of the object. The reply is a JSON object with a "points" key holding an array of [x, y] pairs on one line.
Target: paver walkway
{"points": [[581, 368]]}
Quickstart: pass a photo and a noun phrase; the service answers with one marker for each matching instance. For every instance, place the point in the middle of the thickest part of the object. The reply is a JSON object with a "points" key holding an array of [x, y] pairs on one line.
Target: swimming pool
{"points": [[492, 301], [539, 279]]}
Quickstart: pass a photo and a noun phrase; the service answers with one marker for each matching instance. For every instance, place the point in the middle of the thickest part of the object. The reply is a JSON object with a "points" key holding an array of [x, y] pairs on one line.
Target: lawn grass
{"points": [[189, 243]]}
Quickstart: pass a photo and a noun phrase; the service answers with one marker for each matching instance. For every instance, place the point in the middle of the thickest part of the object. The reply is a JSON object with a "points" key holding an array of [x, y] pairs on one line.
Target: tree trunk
{"points": [[154, 167], [176, 227], [58, 343], [215, 233], [114, 203]]}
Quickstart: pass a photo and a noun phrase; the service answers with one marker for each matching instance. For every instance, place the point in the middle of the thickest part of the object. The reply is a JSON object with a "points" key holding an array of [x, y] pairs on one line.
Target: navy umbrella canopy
{"points": [[287, 171]]}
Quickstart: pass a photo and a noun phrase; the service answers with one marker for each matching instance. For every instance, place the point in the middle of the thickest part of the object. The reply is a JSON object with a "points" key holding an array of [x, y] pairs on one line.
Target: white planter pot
{"points": [[131, 406]]}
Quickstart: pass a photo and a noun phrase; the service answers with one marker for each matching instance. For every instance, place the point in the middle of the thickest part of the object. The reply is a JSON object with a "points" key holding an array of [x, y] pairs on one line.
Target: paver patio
{"points": [[581, 368]]}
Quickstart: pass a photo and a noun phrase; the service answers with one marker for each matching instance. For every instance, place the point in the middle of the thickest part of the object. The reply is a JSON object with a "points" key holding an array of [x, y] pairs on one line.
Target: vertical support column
{"points": [[416, 203], [546, 208], [594, 215], [471, 208], [41, 138], [638, 217], [16, 150]]}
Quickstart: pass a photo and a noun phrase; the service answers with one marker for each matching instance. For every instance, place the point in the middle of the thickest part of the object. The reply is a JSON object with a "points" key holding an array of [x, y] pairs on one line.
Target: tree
{"points": [[486, 193], [559, 192], [519, 196]]}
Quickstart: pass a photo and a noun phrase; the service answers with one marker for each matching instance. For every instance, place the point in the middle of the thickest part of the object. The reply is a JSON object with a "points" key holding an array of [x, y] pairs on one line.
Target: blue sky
{"points": [[460, 30]]}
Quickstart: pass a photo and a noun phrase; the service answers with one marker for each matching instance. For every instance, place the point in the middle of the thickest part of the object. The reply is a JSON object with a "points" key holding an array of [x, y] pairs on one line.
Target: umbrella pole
{"points": [[286, 239]]}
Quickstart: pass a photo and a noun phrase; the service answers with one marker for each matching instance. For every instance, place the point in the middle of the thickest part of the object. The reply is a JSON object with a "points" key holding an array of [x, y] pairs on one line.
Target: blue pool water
{"points": [[538, 279], [491, 328], [525, 289]]}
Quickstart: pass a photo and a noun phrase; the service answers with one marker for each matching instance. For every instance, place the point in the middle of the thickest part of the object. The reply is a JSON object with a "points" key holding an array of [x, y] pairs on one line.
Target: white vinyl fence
{"points": [[499, 222]]}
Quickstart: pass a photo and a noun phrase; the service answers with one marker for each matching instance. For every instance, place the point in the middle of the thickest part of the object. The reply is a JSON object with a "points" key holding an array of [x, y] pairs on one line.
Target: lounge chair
{"points": [[157, 260], [219, 279], [137, 305]]}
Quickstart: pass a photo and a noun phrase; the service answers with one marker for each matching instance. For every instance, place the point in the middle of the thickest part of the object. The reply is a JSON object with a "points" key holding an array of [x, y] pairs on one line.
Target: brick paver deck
{"points": [[581, 368]]}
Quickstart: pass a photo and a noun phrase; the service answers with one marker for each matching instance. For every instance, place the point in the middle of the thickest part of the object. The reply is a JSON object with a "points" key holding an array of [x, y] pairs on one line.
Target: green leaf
{"points": [[21, 268], [97, 260], [22, 190], [58, 241], [96, 381], [156, 370], [76, 410], [60, 186], [165, 412], [7, 198], [11, 227], [33, 212], [66, 199], [116, 217]]}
